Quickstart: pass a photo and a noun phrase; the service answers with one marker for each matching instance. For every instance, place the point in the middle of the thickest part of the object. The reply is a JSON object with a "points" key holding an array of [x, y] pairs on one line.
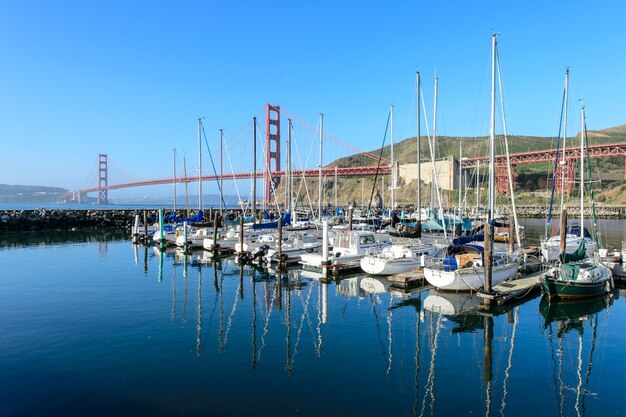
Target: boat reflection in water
{"points": [[565, 323], [448, 303], [442, 342], [470, 316]]}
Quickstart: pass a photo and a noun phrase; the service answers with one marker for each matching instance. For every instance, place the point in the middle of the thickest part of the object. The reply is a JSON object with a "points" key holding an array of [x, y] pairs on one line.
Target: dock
{"points": [[513, 290], [407, 280]]}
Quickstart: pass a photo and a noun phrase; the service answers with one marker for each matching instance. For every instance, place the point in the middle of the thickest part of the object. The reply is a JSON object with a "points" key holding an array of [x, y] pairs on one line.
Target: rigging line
{"points": [[305, 313], [508, 159], [306, 188], [318, 347], [554, 169], [589, 362], [266, 328], [417, 359], [390, 335], [234, 178], [229, 322], [199, 320], [593, 200], [369, 206], [434, 173], [510, 362], [206, 141], [375, 313]]}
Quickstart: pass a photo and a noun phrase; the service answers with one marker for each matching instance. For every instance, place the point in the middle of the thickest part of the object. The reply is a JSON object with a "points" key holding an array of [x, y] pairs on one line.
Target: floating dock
{"points": [[414, 278], [513, 290]]}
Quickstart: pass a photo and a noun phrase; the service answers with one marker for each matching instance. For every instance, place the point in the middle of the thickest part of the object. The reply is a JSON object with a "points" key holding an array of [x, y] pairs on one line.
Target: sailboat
{"points": [[551, 247], [404, 256], [577, 275], [464, 266]]}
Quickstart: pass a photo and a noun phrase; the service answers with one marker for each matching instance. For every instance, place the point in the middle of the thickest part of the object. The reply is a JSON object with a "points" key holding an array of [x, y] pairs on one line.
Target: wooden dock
{"points": [[410, 279], [513, 290]]}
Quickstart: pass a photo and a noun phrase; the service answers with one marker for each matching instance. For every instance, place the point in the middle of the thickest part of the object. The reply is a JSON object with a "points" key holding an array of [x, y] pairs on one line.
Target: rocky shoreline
{"points": [[63, 219], [52, 219]]}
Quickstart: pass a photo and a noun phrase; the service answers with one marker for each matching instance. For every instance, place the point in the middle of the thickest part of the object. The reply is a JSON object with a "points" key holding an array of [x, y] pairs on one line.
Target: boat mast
{"points": [[288, 205], [221, 170], [199, 164], [319, 190], [477, 185], [435, 185], [335, 187], [174, 178], [564, 140], [186, 184], [419, 154], [254, 169], [432, 182], [492, 130], [393, 166], [460, 178], [582, 169]]}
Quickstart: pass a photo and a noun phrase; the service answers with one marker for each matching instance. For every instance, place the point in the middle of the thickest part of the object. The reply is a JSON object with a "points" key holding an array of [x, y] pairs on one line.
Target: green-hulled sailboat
{"points": [[576, 275]]}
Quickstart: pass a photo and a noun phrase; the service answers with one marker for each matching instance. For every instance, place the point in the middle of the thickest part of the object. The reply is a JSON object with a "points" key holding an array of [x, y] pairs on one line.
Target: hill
{"points": [[531, 179], [31, 194]]}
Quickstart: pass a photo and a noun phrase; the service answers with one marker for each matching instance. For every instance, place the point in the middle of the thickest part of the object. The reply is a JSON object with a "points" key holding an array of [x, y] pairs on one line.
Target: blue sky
{"points": [[129, 78]]}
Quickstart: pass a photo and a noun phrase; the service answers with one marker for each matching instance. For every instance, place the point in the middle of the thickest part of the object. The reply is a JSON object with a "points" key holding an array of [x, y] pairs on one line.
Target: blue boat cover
{"points": [[286, 221], [461, 240], [194, 219]]}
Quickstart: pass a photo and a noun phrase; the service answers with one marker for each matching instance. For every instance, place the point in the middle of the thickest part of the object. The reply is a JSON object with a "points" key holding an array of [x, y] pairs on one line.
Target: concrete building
{"points": [[447, 173]]}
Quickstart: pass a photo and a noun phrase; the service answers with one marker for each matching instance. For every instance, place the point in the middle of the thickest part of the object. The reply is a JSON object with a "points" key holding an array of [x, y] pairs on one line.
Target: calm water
{"points": [[90, 325]]}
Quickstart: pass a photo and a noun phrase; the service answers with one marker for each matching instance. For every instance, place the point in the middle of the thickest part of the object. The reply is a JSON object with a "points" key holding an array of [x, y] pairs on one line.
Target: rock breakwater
{"points": [[52, 219]]}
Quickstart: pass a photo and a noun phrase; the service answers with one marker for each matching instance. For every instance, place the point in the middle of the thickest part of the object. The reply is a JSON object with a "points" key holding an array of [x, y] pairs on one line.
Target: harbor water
{"points": [[93, 325]]}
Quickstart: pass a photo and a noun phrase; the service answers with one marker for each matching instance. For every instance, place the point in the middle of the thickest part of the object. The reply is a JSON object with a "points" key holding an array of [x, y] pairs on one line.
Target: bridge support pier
{"points": [[570, 177], [502, 179]]}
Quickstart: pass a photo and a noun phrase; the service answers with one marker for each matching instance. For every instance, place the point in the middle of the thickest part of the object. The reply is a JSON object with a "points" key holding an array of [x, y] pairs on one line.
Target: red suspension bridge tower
{"points": [[103, 179], [272, 148]]}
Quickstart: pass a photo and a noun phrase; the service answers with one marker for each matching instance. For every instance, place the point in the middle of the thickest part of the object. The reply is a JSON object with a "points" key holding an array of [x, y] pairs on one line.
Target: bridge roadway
{"points": [[328, 171], [595, 151]]}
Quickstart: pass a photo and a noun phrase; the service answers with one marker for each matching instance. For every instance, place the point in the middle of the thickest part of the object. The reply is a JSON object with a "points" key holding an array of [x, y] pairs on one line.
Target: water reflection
{"points": [[566, 321], [296, 306], [211, 333], [15, 240]]}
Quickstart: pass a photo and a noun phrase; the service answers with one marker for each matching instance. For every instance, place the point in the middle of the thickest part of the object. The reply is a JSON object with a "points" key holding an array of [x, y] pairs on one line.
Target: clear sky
{"points": [[129, 78]]}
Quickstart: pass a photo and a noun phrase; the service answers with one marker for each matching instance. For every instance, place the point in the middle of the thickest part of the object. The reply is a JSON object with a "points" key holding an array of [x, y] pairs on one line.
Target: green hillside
{"points": [[532, 186]]}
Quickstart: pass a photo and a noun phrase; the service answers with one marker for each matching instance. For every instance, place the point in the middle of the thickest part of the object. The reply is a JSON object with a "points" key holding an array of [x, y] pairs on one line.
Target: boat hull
{"points": [[387, 266], [568, 289], [468, 279]]}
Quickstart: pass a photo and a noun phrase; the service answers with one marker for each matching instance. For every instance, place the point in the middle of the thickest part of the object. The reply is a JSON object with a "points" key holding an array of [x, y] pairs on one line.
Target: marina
{"points": [[122, 321], [312, 209]]}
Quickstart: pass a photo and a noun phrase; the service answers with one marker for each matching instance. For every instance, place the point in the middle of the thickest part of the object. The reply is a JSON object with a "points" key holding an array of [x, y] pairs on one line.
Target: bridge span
{"points": [[272, 157]]}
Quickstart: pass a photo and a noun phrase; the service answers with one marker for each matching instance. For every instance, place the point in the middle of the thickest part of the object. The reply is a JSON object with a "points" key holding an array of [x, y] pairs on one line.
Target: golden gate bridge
{"points": [[272, 173]]}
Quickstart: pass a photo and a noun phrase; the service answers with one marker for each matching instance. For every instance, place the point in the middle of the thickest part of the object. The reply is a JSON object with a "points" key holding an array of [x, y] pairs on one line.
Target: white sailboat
{"points": [[404, 256], [551, 247], [398, 258], [463, 268]]}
